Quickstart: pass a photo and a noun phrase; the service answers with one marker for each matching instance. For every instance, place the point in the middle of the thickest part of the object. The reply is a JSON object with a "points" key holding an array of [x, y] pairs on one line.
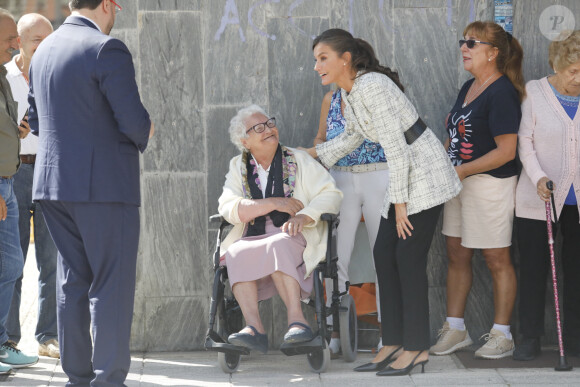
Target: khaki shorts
{"points": [[482, 214]]}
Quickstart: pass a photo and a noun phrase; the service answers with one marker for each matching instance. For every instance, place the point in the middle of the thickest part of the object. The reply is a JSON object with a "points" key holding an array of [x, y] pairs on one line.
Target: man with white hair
{"points": [[11, 261], [32, 29]]}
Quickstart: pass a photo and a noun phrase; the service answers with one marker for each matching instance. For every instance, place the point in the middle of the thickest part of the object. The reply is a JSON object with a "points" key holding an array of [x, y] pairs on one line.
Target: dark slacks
{"points": [[535, 270], [97, 244], [402, 275]]}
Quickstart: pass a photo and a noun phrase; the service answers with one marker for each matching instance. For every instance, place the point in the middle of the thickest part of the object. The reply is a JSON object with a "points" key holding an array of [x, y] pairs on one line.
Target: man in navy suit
{"points": [[86, 109]]}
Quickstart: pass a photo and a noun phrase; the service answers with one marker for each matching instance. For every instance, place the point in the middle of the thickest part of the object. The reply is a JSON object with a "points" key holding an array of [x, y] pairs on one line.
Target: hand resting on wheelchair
{"points": [[273, 196]]}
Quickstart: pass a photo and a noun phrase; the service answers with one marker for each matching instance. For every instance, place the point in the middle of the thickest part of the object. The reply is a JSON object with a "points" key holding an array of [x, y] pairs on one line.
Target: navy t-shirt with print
{"points": [[472, 129]]}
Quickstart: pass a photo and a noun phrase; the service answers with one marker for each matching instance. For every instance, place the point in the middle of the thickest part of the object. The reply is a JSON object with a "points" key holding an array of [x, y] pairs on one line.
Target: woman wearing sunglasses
{"points": [[421, 180], [483, 126]]}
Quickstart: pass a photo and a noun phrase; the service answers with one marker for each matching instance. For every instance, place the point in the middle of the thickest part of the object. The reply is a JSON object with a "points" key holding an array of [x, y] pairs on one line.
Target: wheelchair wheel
{"points": [[348, 329], [229, 362], [319, 360]]}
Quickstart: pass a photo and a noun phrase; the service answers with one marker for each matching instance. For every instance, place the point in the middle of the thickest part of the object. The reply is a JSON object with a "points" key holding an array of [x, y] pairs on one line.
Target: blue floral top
{"points": [[367, 153]]}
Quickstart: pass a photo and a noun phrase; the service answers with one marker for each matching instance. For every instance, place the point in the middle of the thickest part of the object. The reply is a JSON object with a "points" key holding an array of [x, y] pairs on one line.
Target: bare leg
{"points": [[504, 283], [289, 290], [459, 276], [246, 294]]}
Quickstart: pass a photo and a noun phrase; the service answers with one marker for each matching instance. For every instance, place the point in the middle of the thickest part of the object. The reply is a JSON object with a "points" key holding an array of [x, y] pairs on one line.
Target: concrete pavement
{"points": [[200, 368]]}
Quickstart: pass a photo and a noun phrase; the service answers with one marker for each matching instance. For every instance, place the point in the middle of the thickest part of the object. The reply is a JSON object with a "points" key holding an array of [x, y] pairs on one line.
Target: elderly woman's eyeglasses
{"points": [[471, 43], [259, 128]]}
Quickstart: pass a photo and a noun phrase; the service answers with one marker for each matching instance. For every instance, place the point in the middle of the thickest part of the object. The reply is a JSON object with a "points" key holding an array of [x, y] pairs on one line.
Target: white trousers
{"points": [[363, 195]]}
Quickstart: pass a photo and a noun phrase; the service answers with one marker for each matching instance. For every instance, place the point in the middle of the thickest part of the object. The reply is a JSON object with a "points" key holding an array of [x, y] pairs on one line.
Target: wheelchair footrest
{"points": [[291, 349], [213, 342]]}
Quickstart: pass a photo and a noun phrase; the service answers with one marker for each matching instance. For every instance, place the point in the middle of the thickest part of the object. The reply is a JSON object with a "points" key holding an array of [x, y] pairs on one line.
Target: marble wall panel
{"points": [[527, 31], [138, 332], [175, 218], [170, 5], [127, 18], [220, 151], [172, 88], [175, 323], [295, 90], [420, 3], [305, 8], [235, 54], [425, 63]]}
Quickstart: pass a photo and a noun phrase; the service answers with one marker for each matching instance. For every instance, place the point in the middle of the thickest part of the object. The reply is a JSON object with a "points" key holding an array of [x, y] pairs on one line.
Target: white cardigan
{"points": [[548, 146], [421, 174], [315, 188]]}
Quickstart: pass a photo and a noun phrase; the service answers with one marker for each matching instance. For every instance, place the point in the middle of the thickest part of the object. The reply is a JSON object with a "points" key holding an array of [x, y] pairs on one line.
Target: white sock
{"points": [[505, 329], [329, 320], [380, 344], [334, 345], [456, 323]]}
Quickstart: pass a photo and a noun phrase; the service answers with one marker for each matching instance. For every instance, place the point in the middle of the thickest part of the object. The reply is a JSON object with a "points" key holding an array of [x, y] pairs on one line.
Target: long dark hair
{"points": [[362, 53], [510, 53]]}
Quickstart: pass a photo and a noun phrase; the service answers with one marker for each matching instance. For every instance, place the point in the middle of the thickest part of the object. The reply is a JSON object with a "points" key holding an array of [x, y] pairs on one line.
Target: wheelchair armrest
{"points": [[326, 217], [216, 218]]}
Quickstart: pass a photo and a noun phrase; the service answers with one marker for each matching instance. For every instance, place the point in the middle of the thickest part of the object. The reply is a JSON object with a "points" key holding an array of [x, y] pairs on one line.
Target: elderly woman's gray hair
{"points": [[565, 50], [238, 125]]}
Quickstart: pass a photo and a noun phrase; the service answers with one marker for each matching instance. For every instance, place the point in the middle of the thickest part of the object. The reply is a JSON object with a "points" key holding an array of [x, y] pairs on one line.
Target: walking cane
{"points": [[562, 364]]}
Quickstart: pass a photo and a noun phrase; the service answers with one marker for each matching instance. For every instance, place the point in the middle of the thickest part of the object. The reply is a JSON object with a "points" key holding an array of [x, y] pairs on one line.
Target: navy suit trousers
{"points": [[97, 244]]}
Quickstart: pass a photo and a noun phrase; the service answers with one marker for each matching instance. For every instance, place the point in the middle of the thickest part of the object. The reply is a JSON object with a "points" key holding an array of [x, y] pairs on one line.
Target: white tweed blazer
{"points": [[421, 174]]}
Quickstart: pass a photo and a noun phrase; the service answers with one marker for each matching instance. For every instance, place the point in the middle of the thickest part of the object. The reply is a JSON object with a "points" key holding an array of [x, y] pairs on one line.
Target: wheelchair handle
{"points": [[216, 218], [326, 217]]}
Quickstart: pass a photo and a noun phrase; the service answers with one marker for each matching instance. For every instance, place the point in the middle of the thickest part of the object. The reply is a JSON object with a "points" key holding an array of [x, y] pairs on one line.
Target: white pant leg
{"points": [[376, 184], [350, 213]]}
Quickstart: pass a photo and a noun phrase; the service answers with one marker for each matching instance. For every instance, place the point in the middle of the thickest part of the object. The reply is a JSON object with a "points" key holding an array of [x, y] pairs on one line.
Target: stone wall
{"points": [[198, 61]]}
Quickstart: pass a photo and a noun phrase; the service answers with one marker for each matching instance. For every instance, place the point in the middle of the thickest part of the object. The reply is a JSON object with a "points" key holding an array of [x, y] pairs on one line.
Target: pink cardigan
{"points": [[548, 146]]}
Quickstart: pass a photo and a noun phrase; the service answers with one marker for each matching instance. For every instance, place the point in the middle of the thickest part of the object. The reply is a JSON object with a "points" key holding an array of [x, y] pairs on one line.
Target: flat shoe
{"points": [[257, 341], [298, 335]]}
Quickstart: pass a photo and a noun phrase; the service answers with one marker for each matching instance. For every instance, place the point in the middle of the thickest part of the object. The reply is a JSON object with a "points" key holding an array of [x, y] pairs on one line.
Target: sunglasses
{"points": [[471, 43], [259, 128], [117, 5]]}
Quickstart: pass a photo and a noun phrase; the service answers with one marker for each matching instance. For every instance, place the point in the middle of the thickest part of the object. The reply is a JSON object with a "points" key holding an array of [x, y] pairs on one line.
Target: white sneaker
{"points": [[498, 346], [49, 348], [450, 340]]}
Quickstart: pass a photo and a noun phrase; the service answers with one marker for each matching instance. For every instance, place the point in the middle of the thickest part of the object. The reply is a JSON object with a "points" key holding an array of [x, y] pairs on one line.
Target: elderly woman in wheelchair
{"points": [[274, 197]]}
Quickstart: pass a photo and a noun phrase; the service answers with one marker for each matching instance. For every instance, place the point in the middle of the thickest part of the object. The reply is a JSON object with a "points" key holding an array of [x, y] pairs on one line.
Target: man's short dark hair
{"points": [[80, 4]]}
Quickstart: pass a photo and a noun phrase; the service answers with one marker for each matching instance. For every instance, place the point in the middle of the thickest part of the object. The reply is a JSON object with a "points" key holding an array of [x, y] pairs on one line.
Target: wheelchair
{"points": [[226, 317]]}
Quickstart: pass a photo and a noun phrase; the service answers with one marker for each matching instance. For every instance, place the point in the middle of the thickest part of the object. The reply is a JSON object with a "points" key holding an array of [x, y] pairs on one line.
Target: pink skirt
{"points": [[256, 258]]}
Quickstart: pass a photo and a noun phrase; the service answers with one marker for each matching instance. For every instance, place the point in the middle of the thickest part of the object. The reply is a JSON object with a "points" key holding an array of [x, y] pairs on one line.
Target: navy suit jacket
{"points": [[85, 108]]}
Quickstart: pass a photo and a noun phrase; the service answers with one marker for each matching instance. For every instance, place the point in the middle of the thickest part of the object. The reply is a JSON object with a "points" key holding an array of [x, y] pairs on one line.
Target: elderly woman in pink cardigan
{"points": [[549, 150]]}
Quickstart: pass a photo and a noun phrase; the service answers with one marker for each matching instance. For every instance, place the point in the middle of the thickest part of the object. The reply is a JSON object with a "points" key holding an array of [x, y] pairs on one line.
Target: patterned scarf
{"points": [[281, 183]]}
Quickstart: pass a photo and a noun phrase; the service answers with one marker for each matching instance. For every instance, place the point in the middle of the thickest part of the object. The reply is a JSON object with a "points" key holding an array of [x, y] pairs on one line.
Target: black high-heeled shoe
{"points": [[390, 371], [374, 367]]}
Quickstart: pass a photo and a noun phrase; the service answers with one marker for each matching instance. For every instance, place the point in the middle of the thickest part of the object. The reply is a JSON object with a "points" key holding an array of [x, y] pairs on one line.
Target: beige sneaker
{"points": [[497, 346], [450, 340], [49, 348]]}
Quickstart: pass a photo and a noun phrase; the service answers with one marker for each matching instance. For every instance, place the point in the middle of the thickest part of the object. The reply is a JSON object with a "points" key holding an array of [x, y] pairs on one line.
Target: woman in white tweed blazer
{"points": [[421, 180]]}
